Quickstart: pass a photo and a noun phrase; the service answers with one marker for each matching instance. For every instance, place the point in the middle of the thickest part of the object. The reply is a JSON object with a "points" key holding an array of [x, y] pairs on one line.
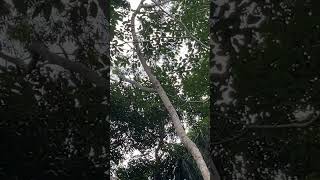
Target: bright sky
{"points": [[134, 3]]}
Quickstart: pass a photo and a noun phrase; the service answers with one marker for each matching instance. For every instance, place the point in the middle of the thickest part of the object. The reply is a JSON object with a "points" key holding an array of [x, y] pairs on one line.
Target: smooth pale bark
{"points": [[186, 141]]}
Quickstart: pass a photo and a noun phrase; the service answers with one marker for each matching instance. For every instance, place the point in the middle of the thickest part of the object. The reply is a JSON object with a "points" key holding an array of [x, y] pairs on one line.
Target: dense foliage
{"points": [[53, 123], [269, 51]]}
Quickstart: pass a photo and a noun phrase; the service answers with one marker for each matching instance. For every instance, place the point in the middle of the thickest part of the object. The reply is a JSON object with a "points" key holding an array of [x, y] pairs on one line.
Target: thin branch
{"points": [[183, 25], [305, 123], [289, 125], [151, 39], [40, 49], [114, 44], [18, 62], [255, 126], [104, 6], [116, 82], [154, 5], [64, 51], [88, 74], [136, 84], [193, 37]]}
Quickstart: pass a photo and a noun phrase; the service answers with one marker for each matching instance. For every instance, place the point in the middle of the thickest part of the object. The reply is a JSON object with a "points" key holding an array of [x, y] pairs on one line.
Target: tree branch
{"points": [[289, 125], [18, 62], [255, 126], [39, 48], [151, 39], [154, 5], [88, 74], [64, 51], [183, 25], [104, 6], [136, 84]]}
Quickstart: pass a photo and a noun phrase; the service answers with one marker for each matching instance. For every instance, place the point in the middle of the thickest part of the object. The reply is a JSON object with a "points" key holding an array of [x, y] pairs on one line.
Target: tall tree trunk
{"points": [[186, 141]]}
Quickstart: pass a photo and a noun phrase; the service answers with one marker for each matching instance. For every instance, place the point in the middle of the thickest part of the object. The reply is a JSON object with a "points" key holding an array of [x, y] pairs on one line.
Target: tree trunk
{"points": [[186, 141]]}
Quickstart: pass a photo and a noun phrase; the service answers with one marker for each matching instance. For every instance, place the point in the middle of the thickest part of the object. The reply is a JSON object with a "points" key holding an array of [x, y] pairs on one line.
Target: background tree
{"points": [[54, 99], [264, 73]]}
